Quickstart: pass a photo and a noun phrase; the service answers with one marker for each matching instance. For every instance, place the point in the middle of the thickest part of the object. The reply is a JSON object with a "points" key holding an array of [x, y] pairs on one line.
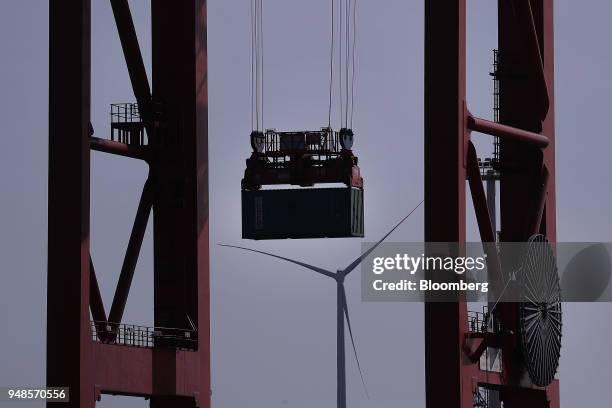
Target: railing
{"points": [[322, 142], [483, 322], [125, 113], [143, 336], [126, 124], [486, 326]]}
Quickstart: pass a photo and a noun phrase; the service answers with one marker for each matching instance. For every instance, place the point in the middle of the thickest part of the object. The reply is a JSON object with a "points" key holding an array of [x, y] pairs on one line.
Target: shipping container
{"points": [[302, 213]]}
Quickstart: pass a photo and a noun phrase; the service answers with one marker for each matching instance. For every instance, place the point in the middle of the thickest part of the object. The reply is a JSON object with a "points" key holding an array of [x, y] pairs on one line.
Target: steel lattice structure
{"points": [[169, 366], [527, 168], [174, 112]]}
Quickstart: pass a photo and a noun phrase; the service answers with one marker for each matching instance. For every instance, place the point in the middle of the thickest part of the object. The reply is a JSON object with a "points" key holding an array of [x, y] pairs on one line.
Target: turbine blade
{"points": [[357, 261], [305, 265], [348, 322]]}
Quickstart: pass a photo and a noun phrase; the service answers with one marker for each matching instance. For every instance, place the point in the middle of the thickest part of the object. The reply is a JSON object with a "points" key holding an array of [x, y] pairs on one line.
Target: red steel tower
{"points": [[168, 363], [527, 168]]}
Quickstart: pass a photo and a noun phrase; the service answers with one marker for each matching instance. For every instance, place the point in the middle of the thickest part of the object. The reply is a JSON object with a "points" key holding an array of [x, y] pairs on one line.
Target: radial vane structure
{"points": [[540, 311]]}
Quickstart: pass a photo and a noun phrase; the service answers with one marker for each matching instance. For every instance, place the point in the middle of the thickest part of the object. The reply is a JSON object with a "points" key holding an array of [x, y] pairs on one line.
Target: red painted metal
{"points": [[445, 136], [128, 371], [179, 172], [176, 190], [69, 344], [95, 301], [519, 108], [541, 192], [506, 132], [529, 36], [123, 370], [526, 53], [133, 57], [131, 254], [120, 149], [181, 264]]}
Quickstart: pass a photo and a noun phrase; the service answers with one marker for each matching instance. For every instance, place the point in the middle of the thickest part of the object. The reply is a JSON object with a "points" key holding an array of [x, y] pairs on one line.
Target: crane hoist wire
{"points": [[346, 16], [305, 158], [347, 19], [257, 66], [353, 60]]}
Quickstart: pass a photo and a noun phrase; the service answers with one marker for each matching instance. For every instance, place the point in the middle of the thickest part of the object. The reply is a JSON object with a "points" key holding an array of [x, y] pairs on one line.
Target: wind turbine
{"points": [[341, 307]]}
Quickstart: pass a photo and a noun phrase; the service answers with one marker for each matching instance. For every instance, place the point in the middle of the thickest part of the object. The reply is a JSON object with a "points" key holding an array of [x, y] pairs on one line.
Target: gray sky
{"points": [[273, 325]]}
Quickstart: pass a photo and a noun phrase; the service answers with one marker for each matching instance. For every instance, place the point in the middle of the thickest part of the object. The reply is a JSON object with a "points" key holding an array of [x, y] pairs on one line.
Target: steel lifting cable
{"points": [[340, 61], [346, 56], [261, 41], [331, 66], [256, 39], [252, 66], [353, 60], [257, 66], [347, 50], [346, 81]]}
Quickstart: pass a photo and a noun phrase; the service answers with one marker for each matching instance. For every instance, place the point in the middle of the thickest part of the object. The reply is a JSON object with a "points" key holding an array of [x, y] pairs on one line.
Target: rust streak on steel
{"points": [[120, 149], [506, 132]]}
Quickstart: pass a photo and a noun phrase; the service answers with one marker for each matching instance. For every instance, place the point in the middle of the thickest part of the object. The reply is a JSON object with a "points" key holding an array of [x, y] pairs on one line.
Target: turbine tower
{"points": [[342, 312]]}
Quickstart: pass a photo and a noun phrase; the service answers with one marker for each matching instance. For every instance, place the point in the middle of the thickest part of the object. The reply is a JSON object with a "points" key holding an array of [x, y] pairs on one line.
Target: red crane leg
{"points": [[180, 174], [445, 136], [69, 357], [524, 182], [527, 64], [141, 364]]}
